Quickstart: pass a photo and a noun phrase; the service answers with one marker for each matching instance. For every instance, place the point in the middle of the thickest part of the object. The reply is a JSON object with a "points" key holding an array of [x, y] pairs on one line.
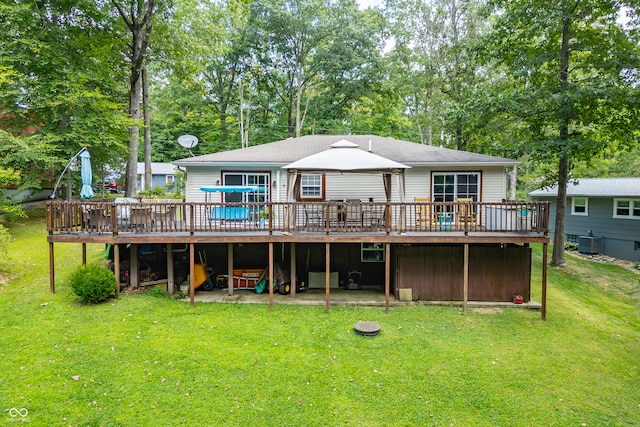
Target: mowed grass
{"points": [[145, 360]]}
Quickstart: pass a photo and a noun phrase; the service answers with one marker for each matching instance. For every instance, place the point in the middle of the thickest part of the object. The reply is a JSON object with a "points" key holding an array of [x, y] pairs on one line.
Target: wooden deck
{"points": [[454, 235], [332, 222]]}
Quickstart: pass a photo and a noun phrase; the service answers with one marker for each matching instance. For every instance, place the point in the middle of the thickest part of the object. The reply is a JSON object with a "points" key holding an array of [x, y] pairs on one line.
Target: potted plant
{"points": [[264, 216]]}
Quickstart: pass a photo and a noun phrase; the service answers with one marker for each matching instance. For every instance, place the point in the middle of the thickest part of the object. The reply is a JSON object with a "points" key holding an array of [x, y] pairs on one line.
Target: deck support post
{"points": [[84, 254], [134, 268], [327, 274], [170, 273], [116, 266], [387, 276], [52, 274], [270, 275], [465, 279], [192, 274], [230, 268], [543, 309], [292, 268]]}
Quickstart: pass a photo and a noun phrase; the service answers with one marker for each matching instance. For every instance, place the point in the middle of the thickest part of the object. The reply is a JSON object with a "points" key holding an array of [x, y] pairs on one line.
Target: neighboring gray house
{"points": [[602, 216], [162, 175]]}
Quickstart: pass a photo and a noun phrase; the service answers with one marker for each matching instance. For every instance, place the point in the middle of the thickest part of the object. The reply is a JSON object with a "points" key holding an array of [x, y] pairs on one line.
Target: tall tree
{"points": [[59, 86], [138, 17], [208, 54], [574, 69], [348, 66], [435, 68], [146, 113], [295, 29]]}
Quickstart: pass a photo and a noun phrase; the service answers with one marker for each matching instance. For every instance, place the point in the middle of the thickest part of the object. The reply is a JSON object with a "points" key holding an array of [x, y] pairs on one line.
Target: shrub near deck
{"points": [[92, 283]]}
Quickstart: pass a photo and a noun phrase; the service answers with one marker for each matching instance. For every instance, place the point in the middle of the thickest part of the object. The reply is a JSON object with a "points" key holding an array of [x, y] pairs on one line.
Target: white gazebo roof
{"points": [[345, 156]]}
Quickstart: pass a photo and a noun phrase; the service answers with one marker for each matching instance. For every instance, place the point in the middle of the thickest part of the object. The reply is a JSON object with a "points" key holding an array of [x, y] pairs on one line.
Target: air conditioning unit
{"points": [[589, 244]]}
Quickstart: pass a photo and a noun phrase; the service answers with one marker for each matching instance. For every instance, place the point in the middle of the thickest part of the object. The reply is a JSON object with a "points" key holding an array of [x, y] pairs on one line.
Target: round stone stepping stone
{"points": [[367, 329]]}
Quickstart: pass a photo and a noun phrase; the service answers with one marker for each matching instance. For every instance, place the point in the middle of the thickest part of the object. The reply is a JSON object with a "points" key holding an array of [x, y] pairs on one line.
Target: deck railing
{"points": [[299, 217]]}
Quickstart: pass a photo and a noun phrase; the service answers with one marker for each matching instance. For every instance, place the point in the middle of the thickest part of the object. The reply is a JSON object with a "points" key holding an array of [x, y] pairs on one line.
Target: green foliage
{"points": [[622, 163], [158, 292], [31, 157], [566, 80], [436, 71], [64, 79], [592, 105], [8, 209], [5, 239], [93, 283], [569, 246], [60, 88], [155, 192]]}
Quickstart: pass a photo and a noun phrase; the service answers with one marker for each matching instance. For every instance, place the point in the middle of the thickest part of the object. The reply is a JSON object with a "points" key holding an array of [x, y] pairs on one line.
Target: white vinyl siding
{"points": [[360, 186], [494, 184], [201, 176], [417, 183]]}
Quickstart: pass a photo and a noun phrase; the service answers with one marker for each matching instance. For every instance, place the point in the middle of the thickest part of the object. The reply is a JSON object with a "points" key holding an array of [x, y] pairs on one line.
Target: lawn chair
{"points": [[140, 217], [166, 217], [424, 217], [465, 211], [353, 213], [97, 219]]}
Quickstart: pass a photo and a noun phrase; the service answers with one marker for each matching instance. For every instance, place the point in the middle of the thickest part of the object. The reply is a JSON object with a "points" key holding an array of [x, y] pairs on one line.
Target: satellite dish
{"points": [[188, 142]]}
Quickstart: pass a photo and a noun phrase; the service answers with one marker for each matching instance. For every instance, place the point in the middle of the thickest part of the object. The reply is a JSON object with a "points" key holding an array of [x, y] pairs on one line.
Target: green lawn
{"points": [[149, 360]]}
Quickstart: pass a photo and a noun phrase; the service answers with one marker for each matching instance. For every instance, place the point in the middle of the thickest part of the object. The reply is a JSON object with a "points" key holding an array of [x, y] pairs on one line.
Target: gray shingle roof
{"points": [[289, 150], [595, 187], [158, 168]]}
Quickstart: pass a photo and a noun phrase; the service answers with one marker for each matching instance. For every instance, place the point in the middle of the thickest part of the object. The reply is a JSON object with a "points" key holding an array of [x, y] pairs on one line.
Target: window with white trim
{"points": [[580, 206], [170, 179], [311, 186], [626, 208], [447, 186]]}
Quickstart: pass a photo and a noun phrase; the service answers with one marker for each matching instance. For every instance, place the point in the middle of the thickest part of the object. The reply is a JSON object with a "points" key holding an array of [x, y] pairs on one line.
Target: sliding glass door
{"points": [[260, 180]]}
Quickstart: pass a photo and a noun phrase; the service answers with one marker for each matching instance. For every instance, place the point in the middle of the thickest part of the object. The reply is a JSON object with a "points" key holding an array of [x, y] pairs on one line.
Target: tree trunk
{"points": [[513, 178], [298, 98], [460, 142], [222, 116], [290, 112], [244, 127], [430, 123], [134, 134], [138, 17], [416, 116], [557, 258], [147, 131]]}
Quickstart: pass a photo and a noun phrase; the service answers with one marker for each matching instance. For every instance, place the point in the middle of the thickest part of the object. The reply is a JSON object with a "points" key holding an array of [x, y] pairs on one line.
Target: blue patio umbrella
{"points": [[85, 174]]}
